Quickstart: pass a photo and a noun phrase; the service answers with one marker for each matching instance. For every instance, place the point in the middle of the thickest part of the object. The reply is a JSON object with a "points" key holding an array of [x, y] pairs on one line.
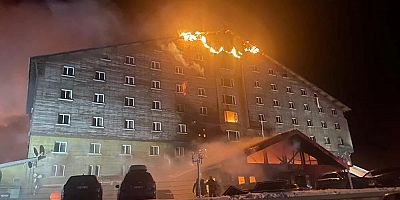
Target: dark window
{"points": [[69, 71], [130, 60], [291, 104], [229, 99], [227, 82], [294, 121], [101, 76], [273, 87], [303, 92], [278, 119], [309, 123], [276, 103], [334, 112], [155, 65], [180, 108], [289, 90]]}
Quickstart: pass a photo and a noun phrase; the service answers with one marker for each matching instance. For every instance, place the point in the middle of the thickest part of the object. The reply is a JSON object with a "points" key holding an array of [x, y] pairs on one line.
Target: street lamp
{"points": [[197, 157]]}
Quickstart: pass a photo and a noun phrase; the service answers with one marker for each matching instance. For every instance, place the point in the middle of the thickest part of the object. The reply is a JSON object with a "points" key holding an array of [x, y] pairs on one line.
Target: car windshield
{"points": [[138, 176]]}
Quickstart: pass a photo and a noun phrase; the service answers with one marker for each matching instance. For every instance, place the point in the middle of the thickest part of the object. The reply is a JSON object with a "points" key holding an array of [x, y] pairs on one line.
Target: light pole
{"points": [[197, 157]]}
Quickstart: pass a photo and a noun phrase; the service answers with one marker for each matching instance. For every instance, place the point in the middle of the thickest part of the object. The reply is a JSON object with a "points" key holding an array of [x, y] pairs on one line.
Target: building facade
{"points": [[97, 111]]}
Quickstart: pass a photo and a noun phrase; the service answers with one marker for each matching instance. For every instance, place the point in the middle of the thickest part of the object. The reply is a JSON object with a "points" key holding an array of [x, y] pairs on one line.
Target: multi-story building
{"points": [[97, 111]]}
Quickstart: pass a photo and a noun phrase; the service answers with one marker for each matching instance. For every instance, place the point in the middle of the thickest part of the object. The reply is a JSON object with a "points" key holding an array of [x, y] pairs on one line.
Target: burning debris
{"points": [[235, 52]]}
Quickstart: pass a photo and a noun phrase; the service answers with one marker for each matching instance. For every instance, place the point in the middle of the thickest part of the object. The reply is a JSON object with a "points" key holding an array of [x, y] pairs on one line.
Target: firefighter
{"points": [[212, 187]]}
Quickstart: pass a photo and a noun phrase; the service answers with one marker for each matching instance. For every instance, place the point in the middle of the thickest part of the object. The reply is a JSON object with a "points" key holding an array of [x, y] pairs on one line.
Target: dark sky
{"points": [[348, 48]]}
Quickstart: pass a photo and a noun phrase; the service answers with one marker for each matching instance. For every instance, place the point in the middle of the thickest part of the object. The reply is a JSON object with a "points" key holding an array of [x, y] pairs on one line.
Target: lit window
{"points": [[66, 94], [303, 92], [203, 111], [257, 84], [309, 123], [294, 121], [179, 88], [202, 92], [100, 76], [156, 85], [229, 99], [63, 119], [312, 138], [273, 87], [340, 141], [69, 71], [130, 124], [327, 140], [126, 149], [291, 104], [97, 122], [179, 151], [261, 118], [129, 80], [180, 108], [306, 107], [157, 126], [259, 101], [227, 82], [323, 124], [252, 179], [271, 72], [231, 117], [129, 60], [278, 119], [334, 112], [179, 70], [256, 68], [276, 102], [289, 90], [156, 105], [233, 135], [155, 65], [60, 147], [241, 180], [154, 150], [337, 126], [320, 110], [58, 170], [95, 148], [129, 101], [182, 128], [98, 98]]}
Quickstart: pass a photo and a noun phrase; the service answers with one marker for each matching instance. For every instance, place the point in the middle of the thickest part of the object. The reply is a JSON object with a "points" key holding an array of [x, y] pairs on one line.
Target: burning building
{"points": [[97, 111]]}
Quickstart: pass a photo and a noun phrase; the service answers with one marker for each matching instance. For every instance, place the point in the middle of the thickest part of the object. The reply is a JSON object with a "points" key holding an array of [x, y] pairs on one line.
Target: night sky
{"points": [[350, 49]]}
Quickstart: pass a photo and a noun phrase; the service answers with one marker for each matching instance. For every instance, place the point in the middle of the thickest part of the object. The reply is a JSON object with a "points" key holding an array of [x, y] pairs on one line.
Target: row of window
{"points": [[327, 140], [309, 122], [291, 105], [59, 170]]}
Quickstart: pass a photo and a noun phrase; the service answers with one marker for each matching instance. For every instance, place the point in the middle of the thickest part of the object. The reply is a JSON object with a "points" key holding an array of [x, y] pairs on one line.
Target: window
{"points": [[203, 111], [276, 102], [309, 123], [154, 150], [130, 124], [233, 135], [129, 101], [291, 104], [303, 92], [97, 122], [259, 101], [337, 126], [273, 87], [320, 110], [241, 180], [155, 65], [278, 119], [334, 112], [95, 148], [90, 170], [105, 57], [271, 72], [227, 82], [156, 105], [252, 179], [306, 107], [289, 90], [256, 68], [180, 108], [284, 74], [63, 119], [312, 138], [231, 117], [129, 60], [340, 141], [327, 140], [257, 84], [182, 128], [58, 170], [179, 70], [97, 170], [126, 149], [98, 98], [202, 92], [294, 121], [157, 126], [68, 71], [66, 94], [156, 85], [179, 88], [129, 80], [323, 124], [261, 117], [229, 99], [179, 151], [100, 76], [60, 147]]}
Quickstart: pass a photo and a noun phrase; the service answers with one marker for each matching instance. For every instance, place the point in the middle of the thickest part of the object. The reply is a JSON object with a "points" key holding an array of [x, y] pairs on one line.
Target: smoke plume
{"points": [[173, 49]]}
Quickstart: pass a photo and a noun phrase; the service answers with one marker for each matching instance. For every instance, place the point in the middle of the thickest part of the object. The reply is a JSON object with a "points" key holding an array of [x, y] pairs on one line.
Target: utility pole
{"points": [[197, 157]]}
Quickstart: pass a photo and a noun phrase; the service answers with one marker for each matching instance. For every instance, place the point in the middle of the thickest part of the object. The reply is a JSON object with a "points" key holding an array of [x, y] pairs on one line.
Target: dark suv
{"points": [[137, 184], [81, 188]]}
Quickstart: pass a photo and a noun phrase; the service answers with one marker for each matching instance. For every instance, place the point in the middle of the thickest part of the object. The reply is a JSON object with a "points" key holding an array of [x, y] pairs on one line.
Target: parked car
{"points": [[274, 186], [392, 196], [386, 177], [137, 184], [340, 180], [82, 187]]}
